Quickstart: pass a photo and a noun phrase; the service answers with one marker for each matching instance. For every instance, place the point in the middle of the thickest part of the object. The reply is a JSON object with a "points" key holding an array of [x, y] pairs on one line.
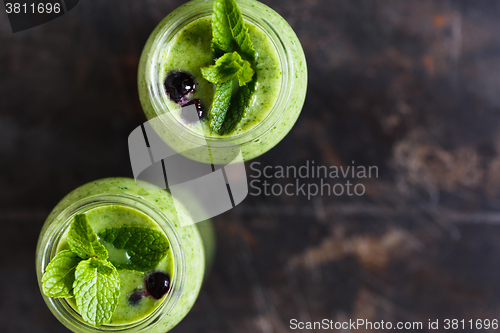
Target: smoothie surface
{"points": [[116, 216], [190, 50]]}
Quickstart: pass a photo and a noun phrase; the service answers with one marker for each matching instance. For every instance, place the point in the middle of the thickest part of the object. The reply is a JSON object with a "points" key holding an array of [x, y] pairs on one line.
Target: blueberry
{"points": [[135, 297], [178, 85], [191, 117], [157, 284]]}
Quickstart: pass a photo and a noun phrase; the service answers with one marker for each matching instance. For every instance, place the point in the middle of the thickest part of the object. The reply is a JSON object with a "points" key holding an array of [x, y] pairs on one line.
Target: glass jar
{"points": [[259, 138], [191, 250]]}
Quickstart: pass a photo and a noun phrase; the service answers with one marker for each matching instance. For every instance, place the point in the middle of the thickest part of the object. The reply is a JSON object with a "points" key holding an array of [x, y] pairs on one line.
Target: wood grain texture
{"points": [[412, 87]]}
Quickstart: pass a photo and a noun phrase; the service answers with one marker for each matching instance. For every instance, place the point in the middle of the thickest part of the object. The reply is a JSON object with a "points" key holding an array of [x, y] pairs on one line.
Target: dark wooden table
{"points": [[412, 87]]}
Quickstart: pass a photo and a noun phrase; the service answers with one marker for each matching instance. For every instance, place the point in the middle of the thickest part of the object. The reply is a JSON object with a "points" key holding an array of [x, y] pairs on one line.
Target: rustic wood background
{"points": [[412, 87]]}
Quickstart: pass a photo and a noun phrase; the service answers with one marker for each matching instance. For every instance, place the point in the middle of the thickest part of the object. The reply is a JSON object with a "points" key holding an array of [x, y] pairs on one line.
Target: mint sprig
{"points": [[84, 273], [230, 42], [228, 30], [145, 247]]}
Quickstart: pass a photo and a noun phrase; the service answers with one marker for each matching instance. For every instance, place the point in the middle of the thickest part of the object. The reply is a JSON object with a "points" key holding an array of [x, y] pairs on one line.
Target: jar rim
{"points": [[66, 314], [173, 24]]}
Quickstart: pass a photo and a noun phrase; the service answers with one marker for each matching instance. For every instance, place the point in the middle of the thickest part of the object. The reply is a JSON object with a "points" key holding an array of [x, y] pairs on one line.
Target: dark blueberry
{"points": [[188, 114], [135, 297], [157, 284], [178, 85]]}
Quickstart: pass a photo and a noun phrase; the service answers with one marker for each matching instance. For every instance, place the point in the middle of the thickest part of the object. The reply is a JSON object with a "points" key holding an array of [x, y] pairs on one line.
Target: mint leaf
{"points": [[96, 289], [237, 107], [228, 28], [83, 241], [57, 281], [238, 29], [229, 33], [222, 41], [220, 105], [145, 247], [227, 67]]}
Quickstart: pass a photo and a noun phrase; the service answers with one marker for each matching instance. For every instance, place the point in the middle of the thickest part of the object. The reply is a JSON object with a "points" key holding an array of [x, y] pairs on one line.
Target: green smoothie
{"points": [[182, 43], [132, 282], [120, 202]]}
